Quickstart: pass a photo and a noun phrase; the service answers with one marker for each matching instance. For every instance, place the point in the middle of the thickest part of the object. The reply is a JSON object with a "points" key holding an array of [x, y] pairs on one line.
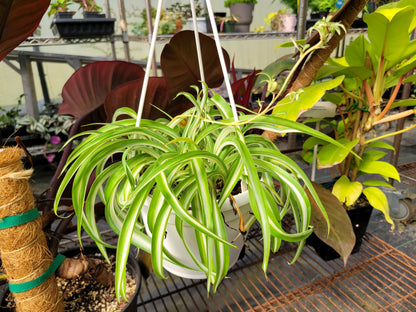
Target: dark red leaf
{"points": [[179, 62], [18, 20], [88, 87], [128, 95], [242, 88]]}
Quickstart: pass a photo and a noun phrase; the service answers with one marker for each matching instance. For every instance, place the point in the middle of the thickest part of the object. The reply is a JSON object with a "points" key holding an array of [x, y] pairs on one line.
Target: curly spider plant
{"points": [[187, 168]]}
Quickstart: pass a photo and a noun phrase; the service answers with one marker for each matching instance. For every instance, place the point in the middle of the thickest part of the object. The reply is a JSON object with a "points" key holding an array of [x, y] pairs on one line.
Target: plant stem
{"points": [[392, 98], [361, 145], [389, 134], [358, 126]]}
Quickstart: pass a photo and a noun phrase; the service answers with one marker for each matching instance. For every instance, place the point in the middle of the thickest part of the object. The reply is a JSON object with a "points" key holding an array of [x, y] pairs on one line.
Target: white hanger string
{"points": [[149, 64], [222, 60], [199, 53], [198, 44]]}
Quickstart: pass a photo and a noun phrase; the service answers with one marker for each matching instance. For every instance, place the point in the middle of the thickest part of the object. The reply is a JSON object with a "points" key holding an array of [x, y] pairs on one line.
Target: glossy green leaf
{"points": [[334, 97], [355, 52], [377, 183], [371, 155], [378, 200], [379, 144], [343, 69], [346, 191], [404, 103], [310, 143], [385, 31], [272, 70], [331, 155], [406, 62], [401, 4], [411, 78], [379, 167], [294, 105]]}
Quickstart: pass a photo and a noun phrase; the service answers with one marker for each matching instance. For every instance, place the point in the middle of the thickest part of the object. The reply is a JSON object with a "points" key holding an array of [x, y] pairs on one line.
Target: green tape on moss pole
{"points": [[19, 219], [25, 286]]}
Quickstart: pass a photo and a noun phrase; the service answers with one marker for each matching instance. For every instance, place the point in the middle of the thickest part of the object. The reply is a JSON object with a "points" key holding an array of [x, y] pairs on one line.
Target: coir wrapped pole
{"points": [[24, 253]]}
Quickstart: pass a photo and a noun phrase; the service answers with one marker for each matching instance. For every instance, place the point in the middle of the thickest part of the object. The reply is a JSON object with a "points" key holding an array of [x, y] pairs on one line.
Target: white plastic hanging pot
{"points": [[175, 246], [173, 243]]}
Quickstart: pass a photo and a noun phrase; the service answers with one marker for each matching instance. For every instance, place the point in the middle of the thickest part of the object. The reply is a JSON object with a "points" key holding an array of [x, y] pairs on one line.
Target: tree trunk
{"points": [[346, 15]]}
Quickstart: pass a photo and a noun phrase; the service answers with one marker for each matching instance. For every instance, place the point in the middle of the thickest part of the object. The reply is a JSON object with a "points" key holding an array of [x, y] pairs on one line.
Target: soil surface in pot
{"points": [[85, 294]]}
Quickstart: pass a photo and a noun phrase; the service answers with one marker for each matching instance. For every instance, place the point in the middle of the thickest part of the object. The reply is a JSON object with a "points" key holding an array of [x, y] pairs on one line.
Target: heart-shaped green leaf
{"points": [[346, 191]]}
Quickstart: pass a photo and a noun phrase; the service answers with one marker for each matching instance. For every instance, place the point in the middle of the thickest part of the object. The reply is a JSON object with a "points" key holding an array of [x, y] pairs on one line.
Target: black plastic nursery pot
{"points": [[90, 27], [132, 267], [360, 218]]}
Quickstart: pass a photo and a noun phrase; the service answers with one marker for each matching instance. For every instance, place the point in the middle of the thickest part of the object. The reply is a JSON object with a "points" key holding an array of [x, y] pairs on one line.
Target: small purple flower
{"points": [[55, 139], [50, 157]]}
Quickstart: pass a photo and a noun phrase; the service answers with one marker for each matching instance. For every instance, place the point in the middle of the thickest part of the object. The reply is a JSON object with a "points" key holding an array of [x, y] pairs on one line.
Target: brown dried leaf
{"points": [[341, 236]]}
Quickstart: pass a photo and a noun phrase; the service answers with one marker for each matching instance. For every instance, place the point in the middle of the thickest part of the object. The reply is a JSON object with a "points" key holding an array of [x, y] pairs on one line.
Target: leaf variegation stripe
{"points": [[257, 197], [124, 241], [182, 212], [285, 161], [205, 198], [102, 136], [234, 176], [221, 251], [271, 122], [81, 178], [157, 239], [188, 197], [299, 198], [202, 240]]}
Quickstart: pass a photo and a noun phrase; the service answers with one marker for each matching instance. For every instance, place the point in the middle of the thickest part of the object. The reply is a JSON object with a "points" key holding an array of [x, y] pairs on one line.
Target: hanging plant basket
{"points": [[175, 246], [89, 27]]}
